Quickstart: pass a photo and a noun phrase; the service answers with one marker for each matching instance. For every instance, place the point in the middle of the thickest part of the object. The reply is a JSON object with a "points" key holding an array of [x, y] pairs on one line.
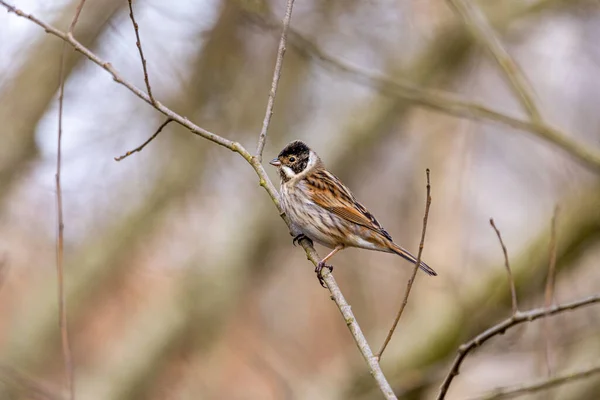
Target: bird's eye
{"points": [[292, 159]]}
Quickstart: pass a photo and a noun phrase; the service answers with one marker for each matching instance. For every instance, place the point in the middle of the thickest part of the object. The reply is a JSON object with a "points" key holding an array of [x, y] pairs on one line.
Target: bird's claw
{"points": [[318, 270], [299, 237]]}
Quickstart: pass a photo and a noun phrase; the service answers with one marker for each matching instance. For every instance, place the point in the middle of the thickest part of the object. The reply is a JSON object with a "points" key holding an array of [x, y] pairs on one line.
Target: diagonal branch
{"points": [[511, 279], [549, 290], [138, 43], [264, 181], [414, 273], [76, 16], [480, 28], [501, 328], [514, 391], [262, 139], [151, 138]]}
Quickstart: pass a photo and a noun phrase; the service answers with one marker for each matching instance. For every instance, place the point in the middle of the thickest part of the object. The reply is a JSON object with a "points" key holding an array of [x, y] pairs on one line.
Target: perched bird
{"points": [[323, 210]]}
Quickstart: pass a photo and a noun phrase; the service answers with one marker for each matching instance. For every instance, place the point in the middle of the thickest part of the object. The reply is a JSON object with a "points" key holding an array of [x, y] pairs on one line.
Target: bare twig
{"points": [[549, 291], [62, 306], [502, 327], [76, 16], [138, 43], [510, 392], [141, 147], [262, 139], [442, 101], [511, 279], [480, 28], [414, 273]]}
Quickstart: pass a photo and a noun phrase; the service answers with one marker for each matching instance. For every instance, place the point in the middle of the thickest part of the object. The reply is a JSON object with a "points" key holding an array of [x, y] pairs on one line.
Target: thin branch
{"points": [[62, 305], [480, 28], [414, 273], [549, 291], [264, 181], [445, 102], [511, 279], [76, 16], [511, 392], [138, 43], [501, 328], [262, 139], [141, 147]]}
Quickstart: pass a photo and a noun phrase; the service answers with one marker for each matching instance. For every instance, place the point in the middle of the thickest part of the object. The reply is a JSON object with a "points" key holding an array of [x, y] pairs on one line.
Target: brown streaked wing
{"points": [[329, 192]]}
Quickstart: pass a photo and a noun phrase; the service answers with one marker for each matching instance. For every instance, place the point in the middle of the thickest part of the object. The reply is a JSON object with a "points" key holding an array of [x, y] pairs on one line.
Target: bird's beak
{"points": [[275, 162]]}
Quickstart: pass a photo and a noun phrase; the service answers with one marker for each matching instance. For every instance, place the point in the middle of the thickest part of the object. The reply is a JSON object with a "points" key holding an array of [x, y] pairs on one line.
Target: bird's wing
{"points": [[327, 191]]}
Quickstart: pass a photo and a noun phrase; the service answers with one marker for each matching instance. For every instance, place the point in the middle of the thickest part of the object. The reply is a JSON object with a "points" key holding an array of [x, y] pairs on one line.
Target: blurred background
{"points": [[181, 278]]}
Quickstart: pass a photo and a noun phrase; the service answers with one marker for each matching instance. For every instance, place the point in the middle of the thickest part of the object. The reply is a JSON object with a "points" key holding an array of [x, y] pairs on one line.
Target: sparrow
{"points": [[322, 209]]}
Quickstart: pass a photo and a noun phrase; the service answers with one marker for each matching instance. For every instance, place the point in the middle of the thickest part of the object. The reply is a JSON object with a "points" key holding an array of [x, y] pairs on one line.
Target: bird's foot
{"points": [[318, 270], [301, 236]]}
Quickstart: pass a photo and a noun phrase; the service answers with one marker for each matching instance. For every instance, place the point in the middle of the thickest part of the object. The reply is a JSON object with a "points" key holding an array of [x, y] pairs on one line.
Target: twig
{"points": [[76, 16], [414, 273], [138, 43], [141, 147], [480, 28], [549, 291], [432, 99], [34, 388], [502, 327], [62, 306], [262, 139], [544, 384], [511, 280], [442, 101]]}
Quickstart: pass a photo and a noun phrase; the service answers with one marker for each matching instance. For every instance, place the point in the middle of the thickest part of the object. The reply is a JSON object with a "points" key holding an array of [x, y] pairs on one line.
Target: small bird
{"points": [[322, 209]]}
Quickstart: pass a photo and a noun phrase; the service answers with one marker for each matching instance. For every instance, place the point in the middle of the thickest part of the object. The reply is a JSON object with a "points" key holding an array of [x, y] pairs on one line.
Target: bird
{"points": [[322, 209]]}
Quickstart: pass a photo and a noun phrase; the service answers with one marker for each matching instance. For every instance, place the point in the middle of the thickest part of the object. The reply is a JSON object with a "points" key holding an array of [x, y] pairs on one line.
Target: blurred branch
{"points": [[501, 328], [32, 386], [549, 291], [442, 101], [262, 139], [151, 138], [62, 305], [138, 43], [477, 23], [415, 270], [510, 392], [264, 180], [511, 280], [3, 270]]}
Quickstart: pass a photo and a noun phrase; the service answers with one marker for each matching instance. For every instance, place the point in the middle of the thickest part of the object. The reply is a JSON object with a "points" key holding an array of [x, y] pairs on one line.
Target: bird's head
{"points": [[294, 159]]}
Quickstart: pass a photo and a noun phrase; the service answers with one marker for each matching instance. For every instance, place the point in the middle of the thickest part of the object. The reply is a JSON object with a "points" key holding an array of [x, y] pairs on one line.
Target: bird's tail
{"points": [[407, 256]]}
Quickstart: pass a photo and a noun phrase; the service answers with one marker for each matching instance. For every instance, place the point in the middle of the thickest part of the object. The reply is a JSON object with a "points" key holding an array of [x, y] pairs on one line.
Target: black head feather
{"points": [[296, 148]]}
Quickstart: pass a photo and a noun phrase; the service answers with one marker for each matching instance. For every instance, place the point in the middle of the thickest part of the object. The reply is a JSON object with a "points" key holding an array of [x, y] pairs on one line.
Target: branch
{"points": [[501, 328], [3, 270], [480, 28], [138, 43], [262, 139], [264, 181], [549, 291], [141, 147], [511, 279], [544, 384], [62, 306], [414, 273], [76, 16]]}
